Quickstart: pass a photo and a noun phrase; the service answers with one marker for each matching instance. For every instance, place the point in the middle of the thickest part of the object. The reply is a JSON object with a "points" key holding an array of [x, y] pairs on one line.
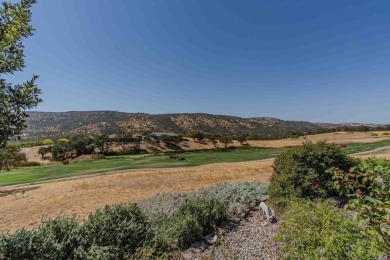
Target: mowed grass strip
{"points": [[364, 147], [42, 173]]}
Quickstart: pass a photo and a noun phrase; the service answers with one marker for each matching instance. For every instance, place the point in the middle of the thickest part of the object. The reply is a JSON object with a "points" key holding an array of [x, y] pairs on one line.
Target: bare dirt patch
{"points": [[15, 191], [32, 154]]}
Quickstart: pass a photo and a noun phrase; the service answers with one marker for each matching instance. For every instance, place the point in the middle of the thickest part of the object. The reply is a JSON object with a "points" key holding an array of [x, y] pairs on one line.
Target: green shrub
{"points": [[300, 172], [63, 140], [54, 239], [368, 186], [64, 232], [149, 252], [110, 233], [94, 253], [47, 142], [177, 232], [317, 231], [238, 197], [27, 245], [186, 225], [30, 164], [121, 226], [208, 212]]}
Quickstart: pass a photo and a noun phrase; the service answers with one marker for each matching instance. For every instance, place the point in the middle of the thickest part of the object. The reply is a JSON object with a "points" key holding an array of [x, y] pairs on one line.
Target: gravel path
{"points": [[248, 240]]}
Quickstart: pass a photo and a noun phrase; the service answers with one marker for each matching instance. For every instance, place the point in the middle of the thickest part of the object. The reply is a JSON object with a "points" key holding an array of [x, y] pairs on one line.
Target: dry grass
{"points": [[83, 196], [338, 138]]}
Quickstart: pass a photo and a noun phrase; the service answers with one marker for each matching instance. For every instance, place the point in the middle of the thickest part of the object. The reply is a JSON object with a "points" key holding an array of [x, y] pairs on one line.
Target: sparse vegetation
{"points": [[41, 125]]}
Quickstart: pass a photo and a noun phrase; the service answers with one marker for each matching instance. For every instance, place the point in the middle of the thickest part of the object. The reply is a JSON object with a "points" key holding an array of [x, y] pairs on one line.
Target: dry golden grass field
{"points": [[25, 206], [338, 138]]}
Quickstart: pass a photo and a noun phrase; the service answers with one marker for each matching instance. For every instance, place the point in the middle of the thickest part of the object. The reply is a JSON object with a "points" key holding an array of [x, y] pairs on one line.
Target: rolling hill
{"points": [[64, 124]]}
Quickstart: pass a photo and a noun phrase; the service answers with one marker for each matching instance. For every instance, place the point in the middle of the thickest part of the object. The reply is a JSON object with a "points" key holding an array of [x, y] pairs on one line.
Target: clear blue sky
{"points": [[320, 61]]}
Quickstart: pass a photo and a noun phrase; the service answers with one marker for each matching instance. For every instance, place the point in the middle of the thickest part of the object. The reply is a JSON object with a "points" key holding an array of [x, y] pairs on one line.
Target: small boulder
{"points": [[211, 238], [338, 201], [228, 225], [198, 247], [264, 198]]}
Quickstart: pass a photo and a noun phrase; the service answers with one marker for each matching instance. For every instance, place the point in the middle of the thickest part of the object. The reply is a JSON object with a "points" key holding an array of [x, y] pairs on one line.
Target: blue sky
{"points": [[319, 61]]}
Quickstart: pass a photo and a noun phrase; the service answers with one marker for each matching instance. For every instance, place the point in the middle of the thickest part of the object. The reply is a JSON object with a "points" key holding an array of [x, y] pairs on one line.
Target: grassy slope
{"points": [[33, 174], [363, 147]]}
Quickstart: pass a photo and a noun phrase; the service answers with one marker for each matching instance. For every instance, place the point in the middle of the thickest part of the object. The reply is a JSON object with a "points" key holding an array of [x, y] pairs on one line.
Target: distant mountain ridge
{"points": [[63, 124]]}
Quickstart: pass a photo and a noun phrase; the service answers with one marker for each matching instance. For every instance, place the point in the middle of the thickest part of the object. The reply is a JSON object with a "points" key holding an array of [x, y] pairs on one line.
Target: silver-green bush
{"points": [[239, 198]]}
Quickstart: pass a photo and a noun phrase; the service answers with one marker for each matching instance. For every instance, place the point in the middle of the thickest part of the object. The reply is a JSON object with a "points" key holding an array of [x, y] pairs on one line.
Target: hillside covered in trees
{"points": [[63, 124]]}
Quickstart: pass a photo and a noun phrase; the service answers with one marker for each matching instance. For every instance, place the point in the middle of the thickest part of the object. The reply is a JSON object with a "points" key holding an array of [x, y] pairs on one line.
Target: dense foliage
{"points": [[15, 99], [318, 231], [368, 187], [189, 221], [300, 172], [122, 228]]}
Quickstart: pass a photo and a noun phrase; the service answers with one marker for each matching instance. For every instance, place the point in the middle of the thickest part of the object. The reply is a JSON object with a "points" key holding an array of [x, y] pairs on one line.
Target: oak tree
{"points": [[15, 99]]}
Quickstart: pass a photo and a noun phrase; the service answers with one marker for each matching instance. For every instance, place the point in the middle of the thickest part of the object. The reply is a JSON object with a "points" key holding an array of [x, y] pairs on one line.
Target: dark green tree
{"points": [[198, 136], [61, 151], [102, 143], [241, 139], [171, 141], [10, 156], [82, 144], [225, 140], [43, 150], [15, 99]]}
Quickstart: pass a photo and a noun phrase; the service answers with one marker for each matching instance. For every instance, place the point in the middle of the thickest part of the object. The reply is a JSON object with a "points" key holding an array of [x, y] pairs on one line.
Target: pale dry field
{"points": [[25, 206], [338, 138], [32, 154], [83, 196]]}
